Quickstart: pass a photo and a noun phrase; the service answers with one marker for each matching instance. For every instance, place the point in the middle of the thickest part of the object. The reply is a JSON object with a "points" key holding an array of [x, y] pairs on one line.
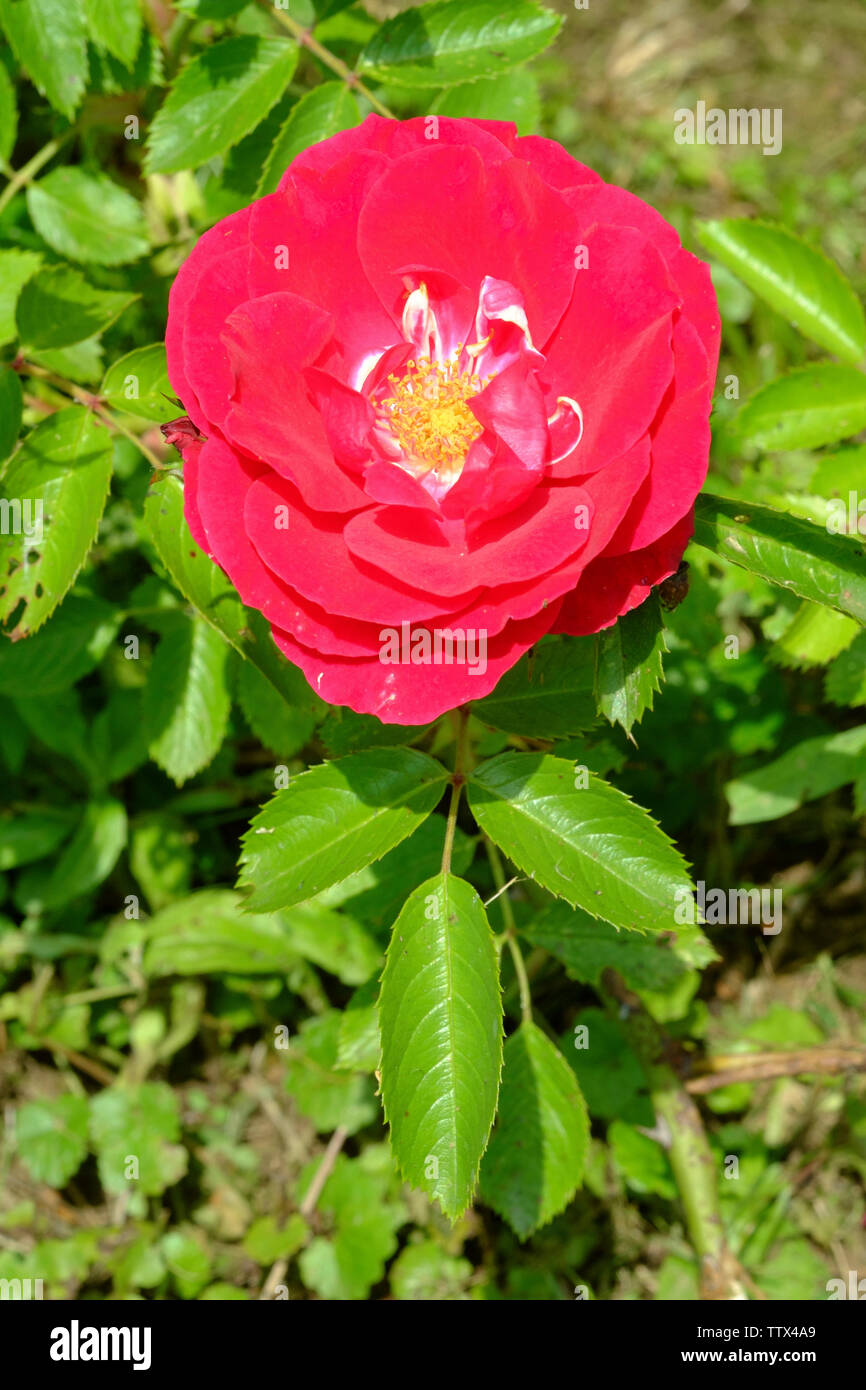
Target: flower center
{"points": [[428, 415]]}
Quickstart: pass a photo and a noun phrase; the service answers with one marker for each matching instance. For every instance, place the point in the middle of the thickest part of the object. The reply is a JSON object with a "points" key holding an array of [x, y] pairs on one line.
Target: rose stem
{"points": [[692, 1161], [306, 40]]}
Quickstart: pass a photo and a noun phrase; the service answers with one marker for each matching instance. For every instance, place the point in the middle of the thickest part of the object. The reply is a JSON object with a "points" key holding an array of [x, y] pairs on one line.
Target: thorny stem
{"points": [[510, 933], [461, 719], [32, 167], [305, 39], [690, 1155], [87, 398]]}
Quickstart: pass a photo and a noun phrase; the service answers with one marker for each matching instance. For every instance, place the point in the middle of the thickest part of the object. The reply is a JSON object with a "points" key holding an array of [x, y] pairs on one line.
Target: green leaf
{"points": [[61, 653], [785, 550], [536, 1157], [209, 933], [79, 362], [8, 117], [814, 637], [115, 25], [49, 40], [641, 1161], [187, 699], [335, 819], [58, 307], [277, 724], [358, 1045], [219, 97], [86, 216], [547, 693], [160, 856], [138, 384], [117, 742], [210, 9], [629, 664], [87, 860], [354, 1200], [57, 722], [425, 1273], [378, 892], [440, 1015], [609, 1074], [16, 268], [110, 77], [512, 96], [846, 678], [135, 1130], [51, 1138], [29, 836], [320, 113], [799, 282], [59, 479], [11, 401], [333, 941], [839, 473], [808, 770], [439, 45], [265, 1241], [344, 731], [587, 843], [324, 1095], [811, 406], [587, 948], [205, 586], [187, 1262]]}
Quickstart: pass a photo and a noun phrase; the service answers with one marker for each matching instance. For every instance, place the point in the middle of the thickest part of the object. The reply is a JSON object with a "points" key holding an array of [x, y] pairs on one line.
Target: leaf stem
{"points": [[32, 167], [87, 398], [461, 718], [510, 933], [305, 38]]}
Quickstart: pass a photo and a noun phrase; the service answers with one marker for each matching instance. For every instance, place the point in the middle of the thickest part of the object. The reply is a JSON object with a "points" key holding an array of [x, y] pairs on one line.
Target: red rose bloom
{"points": [[450, 382]]}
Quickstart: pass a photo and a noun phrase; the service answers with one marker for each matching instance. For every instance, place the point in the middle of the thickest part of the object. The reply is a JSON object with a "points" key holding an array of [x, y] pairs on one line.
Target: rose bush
{"points": [[444, 379]]}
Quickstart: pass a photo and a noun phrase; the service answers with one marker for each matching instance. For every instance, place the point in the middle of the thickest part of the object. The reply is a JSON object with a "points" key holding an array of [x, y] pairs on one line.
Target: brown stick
{"points": [[765, 1066]]}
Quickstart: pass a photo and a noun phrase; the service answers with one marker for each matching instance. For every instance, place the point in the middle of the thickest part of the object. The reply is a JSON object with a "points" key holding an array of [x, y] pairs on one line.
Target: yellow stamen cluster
{"points": [[428, 415]]}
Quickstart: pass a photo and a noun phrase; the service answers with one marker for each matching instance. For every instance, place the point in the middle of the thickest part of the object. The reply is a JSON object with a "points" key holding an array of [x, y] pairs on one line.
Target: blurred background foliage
{"points": [[226, 1050]]}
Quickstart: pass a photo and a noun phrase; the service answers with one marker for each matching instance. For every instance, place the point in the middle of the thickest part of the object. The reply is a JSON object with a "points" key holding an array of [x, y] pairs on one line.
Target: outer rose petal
{"points": [[186, 304], [413, 694], [313, 222], [614, 206], [218, 534], [190, 451], [553, 163], [396, 138], [271, 415], [680, 447], [614, 585], [312, 558], [612, 353]]}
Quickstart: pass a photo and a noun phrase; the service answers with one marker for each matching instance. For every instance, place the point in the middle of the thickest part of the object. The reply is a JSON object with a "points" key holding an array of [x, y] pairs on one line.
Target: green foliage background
{"points": [[226, 1036]]}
